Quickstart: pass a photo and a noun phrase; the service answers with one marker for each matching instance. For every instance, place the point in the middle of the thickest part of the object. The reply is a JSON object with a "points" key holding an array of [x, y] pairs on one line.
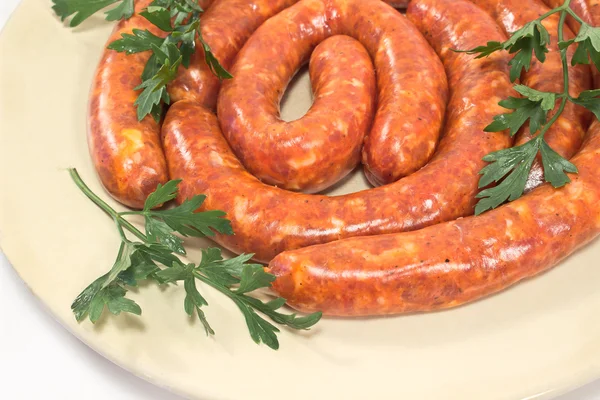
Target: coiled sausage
{"points": [[305, 155], [269, 220]]}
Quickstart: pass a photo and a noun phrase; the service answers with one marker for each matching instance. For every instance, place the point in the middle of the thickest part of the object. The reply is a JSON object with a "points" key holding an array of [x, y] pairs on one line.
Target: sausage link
{"points": [[323, 146], [126, 153], [409, 74], [268, 220], [454, 262], [566, 135], [225, 27]]}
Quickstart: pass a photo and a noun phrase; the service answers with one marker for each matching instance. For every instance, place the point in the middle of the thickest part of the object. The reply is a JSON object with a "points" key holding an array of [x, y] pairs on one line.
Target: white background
{"points": [[40, 359]]}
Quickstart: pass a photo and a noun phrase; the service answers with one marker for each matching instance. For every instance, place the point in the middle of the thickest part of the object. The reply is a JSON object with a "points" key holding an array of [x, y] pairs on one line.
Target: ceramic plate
{"points": [[536, 340]]}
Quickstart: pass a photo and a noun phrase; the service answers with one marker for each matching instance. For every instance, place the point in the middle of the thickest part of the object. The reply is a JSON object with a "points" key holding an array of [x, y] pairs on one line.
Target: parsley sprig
{"points": [[152, 257], [510, 168], [180, 18]]}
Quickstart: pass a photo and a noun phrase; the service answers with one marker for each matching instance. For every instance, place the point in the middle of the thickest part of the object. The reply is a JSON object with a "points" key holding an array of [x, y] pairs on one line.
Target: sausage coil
{"points": [[388, 90]]}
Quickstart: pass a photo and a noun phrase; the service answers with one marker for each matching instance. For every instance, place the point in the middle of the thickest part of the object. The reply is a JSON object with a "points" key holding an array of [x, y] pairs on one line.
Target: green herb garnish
{"points": [[179, 18], [152, 256]]}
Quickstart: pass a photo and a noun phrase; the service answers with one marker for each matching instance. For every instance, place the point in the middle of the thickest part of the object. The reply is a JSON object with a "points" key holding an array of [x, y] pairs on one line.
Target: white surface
{"points": [[40, 359]]}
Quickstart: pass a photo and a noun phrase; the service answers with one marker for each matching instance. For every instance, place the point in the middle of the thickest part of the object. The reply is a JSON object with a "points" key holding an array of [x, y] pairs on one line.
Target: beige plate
{"points": [[533, 341]]}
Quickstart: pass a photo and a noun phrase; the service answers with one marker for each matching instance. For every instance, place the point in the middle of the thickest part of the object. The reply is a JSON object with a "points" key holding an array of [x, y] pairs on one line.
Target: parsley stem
{"points": [[120, 221], [121, 232], [549, 13], [213, 284], [572, 14], [565, 65]]}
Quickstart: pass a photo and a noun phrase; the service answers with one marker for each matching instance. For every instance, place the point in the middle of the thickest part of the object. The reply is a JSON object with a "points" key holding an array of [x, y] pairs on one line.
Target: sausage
{"points": [[322, 147], [225, 27], [305, 155], [268, 220], [126, 153], [454, 262], [566, 135]]}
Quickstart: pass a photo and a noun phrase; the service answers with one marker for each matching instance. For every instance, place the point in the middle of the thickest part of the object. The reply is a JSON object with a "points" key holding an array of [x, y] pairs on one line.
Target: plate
{"points": [[535, 340]]}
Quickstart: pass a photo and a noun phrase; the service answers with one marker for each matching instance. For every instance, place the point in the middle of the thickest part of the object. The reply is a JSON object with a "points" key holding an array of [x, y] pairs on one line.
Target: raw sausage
{"points": [[305, 155], [454, 262], [324, 145], [269, 220], [566, 135], [126, 152]]}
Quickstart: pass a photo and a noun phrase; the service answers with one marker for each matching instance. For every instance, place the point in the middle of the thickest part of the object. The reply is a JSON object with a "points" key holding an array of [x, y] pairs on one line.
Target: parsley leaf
{"points": [[524, 109], [177, 272], [589, 99], [95, 297], [534, 107], [532, 38], [154, 89], [194, 301], [158, 16], [588, 40], [484, 51], [555, 166], [137, 42], [254, 277], [516, 162], [123, 11], [546, 100], [83, 9], [159, 232], [162, 194], [212, 61], [227, 272], [142, 268], [185, 220], [151, 261]]}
